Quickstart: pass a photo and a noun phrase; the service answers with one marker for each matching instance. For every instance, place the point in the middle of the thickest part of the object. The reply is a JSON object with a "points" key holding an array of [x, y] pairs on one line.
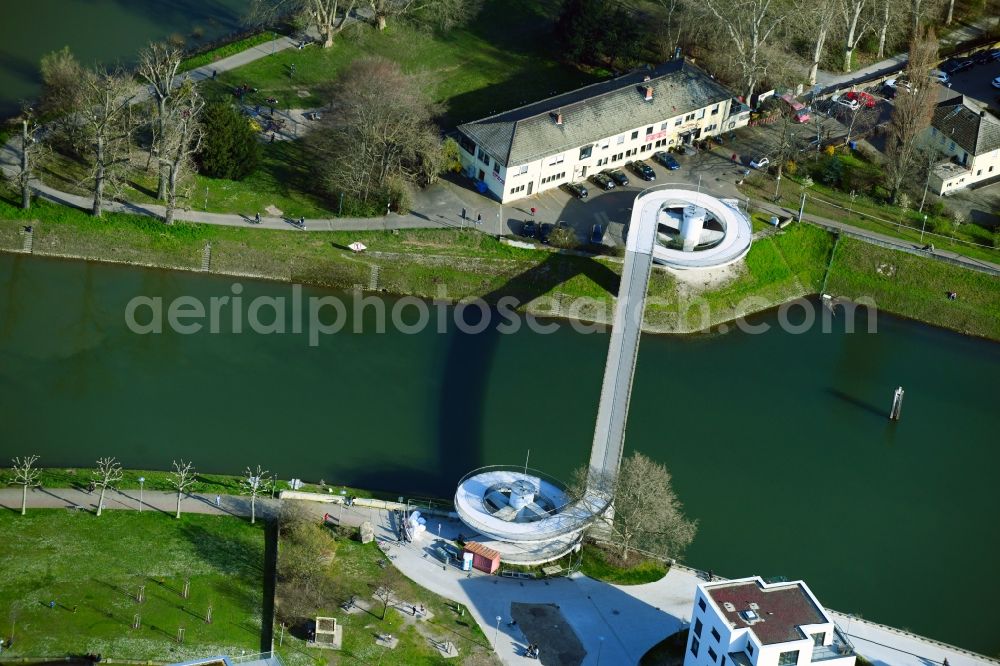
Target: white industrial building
{"points": [[747, 622], [565, 138], [970, 136]]}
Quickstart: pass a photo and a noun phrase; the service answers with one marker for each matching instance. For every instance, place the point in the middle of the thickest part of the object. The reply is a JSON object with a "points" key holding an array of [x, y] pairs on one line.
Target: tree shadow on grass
{"points": [[232, 554]]}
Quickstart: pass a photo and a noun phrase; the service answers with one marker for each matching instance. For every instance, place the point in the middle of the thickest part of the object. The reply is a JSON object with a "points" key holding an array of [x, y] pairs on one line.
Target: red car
{"points": [[864, 99]]}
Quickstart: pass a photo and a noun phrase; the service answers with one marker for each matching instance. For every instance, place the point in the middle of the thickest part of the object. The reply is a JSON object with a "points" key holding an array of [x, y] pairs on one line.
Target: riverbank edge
{"points": [[716, 324]]}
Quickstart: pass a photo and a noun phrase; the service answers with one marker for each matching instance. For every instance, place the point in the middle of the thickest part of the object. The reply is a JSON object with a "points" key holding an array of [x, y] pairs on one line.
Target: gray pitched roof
{"points": [[594, 112], [976, 131]]}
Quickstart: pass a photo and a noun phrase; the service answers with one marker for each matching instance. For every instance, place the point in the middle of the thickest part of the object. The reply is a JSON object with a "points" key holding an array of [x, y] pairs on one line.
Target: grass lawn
{"points": [[910, 285], [92, 568], [355, 570], [503, 58], [601, 564]]}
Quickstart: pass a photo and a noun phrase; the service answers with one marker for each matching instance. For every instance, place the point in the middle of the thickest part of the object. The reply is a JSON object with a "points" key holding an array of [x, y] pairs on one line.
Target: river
{"points": [[778, 443], [105, 31]]}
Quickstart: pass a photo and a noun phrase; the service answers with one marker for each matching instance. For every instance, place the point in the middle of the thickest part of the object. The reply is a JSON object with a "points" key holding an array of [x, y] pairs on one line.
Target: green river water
{"points": [[105, 31], [778, 443]]}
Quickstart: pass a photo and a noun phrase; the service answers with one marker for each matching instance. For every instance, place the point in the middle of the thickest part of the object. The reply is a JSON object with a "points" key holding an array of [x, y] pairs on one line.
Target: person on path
{"points": [[218, 498], [479, 218], [463, 213], [302, 222], [215, 73], [52, 604], [533, 209], [256, 218]]}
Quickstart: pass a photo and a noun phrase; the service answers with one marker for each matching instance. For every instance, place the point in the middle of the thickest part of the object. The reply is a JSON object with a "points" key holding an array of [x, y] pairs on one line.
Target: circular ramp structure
{"points": [[524, 514], [694, 230]]}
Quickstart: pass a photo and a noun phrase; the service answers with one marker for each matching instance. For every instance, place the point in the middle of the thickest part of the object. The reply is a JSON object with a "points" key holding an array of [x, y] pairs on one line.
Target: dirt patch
{"points": [[545, 626]]}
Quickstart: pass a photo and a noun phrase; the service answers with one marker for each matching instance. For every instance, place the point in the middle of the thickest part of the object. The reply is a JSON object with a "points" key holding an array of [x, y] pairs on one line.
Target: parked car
{"points": [[618, 176], [798, 110], [866, 100], [544, 232], [841, 100], [577, 190], [901, 83], [939, 76], [642, 170], [956, 65], [603, 181], [597, 235], [996, 82], [760, 163], [984, 57], [667, 160], [528, 229]]}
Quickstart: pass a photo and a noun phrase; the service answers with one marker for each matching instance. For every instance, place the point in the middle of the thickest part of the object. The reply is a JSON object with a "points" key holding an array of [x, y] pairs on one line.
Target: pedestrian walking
{"points": [[533, 211], [218, 498], [256, 218], [52, 604], [215, 73], [463, 213], [272, 137], [302, 222], [479, 218]]}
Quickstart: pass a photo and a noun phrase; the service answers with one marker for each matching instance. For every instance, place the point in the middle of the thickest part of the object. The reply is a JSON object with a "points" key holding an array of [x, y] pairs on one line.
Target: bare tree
{"points": [[855, 27], [108, 126], [321, 15], [25, 475], [158, 66], [889, 13], [749, 25], [182, 137], [386, 586], [819, 15], [443, 13], [861, 121], [255, 483], [645, 513], [912, 113], [31, 150], [181, 478], [377, 135], [108, 473], [919, 10], [305, 548]]}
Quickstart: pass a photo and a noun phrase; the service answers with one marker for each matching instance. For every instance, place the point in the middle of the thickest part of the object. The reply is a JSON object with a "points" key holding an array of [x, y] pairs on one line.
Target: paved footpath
{"points": [[618, 622]]}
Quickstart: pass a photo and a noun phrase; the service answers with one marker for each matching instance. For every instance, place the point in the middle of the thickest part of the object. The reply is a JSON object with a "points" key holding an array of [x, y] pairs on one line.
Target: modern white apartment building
{"points": [[971, 137], [565, 138], [748, 622]]}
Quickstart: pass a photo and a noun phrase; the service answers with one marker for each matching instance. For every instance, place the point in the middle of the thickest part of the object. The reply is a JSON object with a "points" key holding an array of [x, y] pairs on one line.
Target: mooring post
{"points": [[897, 404]]}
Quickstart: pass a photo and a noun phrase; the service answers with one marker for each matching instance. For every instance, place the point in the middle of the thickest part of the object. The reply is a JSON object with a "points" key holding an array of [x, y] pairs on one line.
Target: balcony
{"points": [[839, 649]]}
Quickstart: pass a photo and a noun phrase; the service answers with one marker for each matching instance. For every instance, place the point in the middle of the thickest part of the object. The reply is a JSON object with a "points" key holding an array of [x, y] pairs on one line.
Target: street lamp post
{"points": [[922, 227], [600, 647], [496, 635], [142, 480]]}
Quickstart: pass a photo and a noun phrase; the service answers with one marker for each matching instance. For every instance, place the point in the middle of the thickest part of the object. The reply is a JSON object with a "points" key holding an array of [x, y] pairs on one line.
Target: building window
{"points": [[519, 188], [483, 157], [586, 152], [715, 635], [555, 176], [688, 117], [952, 145], [991, 170], [697, 628], [496, 169], [649, 130], [715, 110], [678, 122], [712, 655], [467, 144], [701, 114], [556, 159], [663, 126], [694, 646], [645, 147], [788, 658], [711, 127], [621, 139], [701, 604], [750, 648], [979, 173], [521, 170], [635, 134]]}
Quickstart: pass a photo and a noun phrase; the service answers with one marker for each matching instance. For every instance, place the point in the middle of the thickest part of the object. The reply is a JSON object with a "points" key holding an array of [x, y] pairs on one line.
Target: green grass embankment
{"points": [[92, 569], [916, 287]]}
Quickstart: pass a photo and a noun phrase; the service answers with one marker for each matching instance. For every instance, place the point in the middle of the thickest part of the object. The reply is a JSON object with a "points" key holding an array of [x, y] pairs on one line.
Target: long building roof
{"points": [[594, 112], [975, 130]]}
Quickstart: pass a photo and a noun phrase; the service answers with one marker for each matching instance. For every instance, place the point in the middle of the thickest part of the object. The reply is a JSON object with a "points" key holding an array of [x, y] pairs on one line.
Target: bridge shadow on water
{"points": [[466, 375]]}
